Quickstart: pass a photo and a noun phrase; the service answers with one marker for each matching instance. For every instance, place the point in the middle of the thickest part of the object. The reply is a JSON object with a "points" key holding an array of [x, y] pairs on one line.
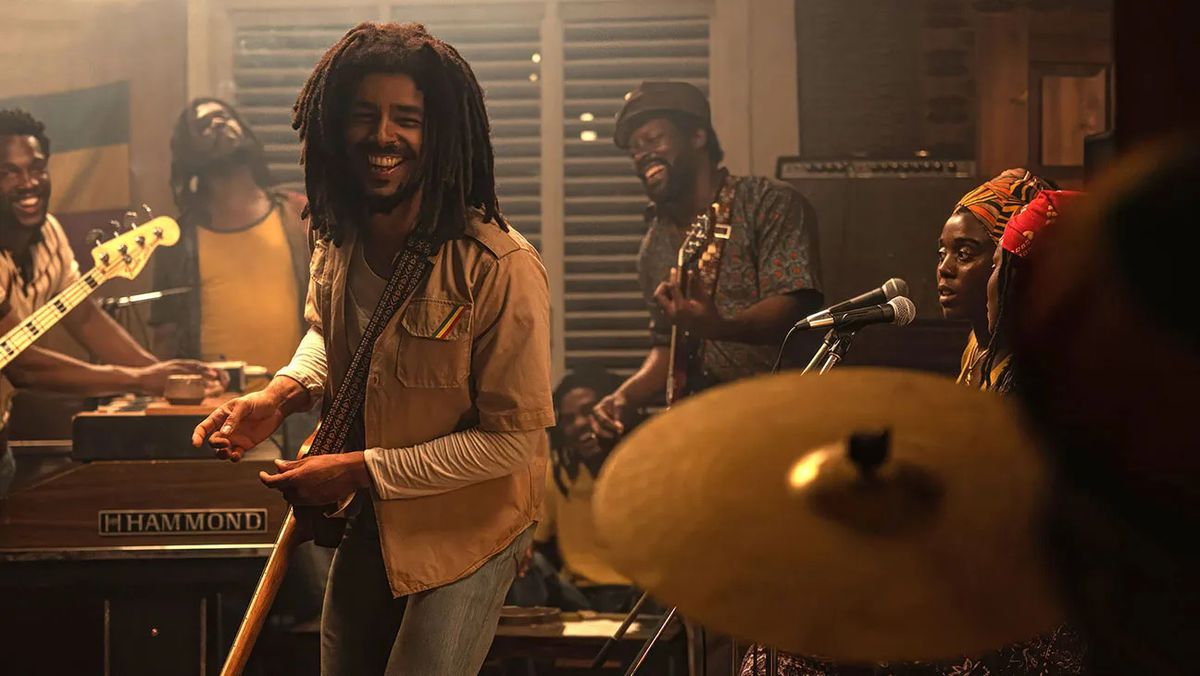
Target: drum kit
{"points": [[845, 515], [871, 515]]}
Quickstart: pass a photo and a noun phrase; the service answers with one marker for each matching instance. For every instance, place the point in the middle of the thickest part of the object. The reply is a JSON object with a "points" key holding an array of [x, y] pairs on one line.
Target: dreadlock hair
{"points": [[17, 122], [563, 463], [187, 181], [456, 168], [1007, 276]]}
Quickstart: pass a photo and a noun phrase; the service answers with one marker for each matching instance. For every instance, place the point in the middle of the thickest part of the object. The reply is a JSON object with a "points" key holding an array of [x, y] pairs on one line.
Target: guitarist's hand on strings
{"points": [[319, 479], [695, 311], [240, 424]]}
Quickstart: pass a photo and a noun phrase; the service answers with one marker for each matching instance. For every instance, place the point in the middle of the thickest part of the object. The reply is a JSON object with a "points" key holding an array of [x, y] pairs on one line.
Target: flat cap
{"points": [[653, 98]]}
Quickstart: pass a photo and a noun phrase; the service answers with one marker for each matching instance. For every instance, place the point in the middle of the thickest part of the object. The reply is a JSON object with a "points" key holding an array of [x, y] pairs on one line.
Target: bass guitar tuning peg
{"points": [[94, 237]]}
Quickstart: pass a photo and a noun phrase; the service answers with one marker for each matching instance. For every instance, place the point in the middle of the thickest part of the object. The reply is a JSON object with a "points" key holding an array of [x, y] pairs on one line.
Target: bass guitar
{"points": [[125, 255]]}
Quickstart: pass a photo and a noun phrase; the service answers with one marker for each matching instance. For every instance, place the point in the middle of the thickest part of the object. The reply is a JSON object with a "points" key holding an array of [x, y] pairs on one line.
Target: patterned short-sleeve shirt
{"points": [[53, 269], [772, 250]]}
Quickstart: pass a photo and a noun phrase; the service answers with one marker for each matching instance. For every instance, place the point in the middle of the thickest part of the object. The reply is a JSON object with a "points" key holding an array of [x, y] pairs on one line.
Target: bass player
{"points": [[36, 263]]}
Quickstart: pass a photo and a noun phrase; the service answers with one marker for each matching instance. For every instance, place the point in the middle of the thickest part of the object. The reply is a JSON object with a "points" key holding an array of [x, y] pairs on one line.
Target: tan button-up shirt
{"points": [[471, 348]]}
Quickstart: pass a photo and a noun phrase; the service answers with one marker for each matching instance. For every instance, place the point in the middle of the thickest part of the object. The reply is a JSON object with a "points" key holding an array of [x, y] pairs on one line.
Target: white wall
{"points": [[753, 82]]}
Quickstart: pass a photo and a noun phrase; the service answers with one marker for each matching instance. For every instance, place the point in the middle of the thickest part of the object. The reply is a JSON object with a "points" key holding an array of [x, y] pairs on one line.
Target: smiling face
{"points": [[965, 254], [666, 158], [24, 182], [383, 135], [574, 421]]}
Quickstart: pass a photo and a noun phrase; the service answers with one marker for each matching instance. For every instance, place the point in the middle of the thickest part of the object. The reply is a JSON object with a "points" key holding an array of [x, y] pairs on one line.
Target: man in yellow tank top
{"points": [[244, 251], [243, 254]]}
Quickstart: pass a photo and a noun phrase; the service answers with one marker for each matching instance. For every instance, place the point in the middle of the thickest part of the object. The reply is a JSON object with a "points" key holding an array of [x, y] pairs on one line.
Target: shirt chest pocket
{"points": [[434, 349]]}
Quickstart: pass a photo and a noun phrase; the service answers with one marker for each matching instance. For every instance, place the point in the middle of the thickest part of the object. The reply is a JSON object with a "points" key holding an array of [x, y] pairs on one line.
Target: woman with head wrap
{"points": [[981, 255], [1008, 265], [966, 250]]}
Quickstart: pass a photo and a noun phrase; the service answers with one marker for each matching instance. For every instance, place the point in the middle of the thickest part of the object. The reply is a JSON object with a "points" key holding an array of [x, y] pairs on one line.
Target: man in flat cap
{"points": [[757, 283], [758, 273]]}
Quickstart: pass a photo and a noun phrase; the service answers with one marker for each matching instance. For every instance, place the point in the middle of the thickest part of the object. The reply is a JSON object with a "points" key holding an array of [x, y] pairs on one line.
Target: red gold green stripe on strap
{"points": [[450, 322]]}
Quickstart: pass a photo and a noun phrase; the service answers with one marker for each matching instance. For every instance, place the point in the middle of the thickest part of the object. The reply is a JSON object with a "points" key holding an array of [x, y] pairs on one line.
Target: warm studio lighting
{"points": [[539, 313], [806, 469]]}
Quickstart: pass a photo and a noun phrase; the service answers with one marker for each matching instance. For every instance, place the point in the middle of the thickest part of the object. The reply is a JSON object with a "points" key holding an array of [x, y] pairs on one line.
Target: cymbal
{"points": [[741, 506]]}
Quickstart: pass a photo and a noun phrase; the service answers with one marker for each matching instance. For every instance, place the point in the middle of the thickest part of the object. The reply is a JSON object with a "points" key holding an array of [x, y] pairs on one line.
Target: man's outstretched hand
{"points": [[240, 424]]}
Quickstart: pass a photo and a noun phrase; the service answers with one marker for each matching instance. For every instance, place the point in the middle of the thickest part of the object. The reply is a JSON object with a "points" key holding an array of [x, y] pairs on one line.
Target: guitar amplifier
{"points": [[879, 219], [790, 168], [140, 428]]}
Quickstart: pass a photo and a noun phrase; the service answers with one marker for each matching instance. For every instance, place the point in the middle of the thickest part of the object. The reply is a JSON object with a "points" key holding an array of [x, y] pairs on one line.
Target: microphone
{"points": [[891, 288], [899, 311]]}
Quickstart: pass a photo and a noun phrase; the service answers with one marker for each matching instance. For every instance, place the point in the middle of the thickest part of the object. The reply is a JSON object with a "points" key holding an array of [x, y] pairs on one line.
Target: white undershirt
{"points": [[440, 465]]}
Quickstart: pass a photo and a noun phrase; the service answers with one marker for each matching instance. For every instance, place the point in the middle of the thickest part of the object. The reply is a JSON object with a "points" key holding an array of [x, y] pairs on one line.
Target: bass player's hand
{"points": [[152, 379], [240, 424]]}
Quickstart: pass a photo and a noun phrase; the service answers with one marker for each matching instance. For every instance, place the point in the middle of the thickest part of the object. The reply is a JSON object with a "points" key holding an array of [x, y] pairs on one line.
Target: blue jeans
{"points": [[445, 631]]}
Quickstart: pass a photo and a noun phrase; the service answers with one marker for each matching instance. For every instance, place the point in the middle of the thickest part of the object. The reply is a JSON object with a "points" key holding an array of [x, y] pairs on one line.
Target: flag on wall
{"points": [[89, 160]]}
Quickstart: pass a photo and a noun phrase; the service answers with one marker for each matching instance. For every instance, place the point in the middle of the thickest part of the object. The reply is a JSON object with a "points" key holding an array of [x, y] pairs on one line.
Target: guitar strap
{"points": [[343, 416], [710, 261], [709, 266], [341, 421]]}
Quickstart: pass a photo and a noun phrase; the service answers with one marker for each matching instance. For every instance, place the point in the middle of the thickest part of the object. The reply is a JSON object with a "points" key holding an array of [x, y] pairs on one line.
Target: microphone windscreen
{"points": [[906, 311], [895, 287]]}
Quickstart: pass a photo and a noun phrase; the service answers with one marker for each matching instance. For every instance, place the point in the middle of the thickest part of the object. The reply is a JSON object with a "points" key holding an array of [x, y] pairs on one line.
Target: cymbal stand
{"points": [[658, 631], [611, 642], [832, 351]]}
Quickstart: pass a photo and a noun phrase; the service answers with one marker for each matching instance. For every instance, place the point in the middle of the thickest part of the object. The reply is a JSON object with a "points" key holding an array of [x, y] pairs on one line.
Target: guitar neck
{"points": [[678, 358], [45, 317]]}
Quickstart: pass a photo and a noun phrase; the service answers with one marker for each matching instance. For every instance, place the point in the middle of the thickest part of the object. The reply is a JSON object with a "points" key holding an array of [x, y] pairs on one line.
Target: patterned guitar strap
{"points": [[710, 260], [709, 265], [341, 420]]}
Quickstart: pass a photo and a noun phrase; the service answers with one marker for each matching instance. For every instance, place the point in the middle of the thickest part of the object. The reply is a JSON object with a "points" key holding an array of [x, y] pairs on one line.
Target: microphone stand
{"points": [[835, 350], [819, 357], [119, 302], [832, 351]]}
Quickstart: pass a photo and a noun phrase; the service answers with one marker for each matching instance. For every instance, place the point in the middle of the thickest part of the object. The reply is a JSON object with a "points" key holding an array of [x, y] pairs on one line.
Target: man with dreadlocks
{"points": [[36, 264], [429, 342], [242, 252]]}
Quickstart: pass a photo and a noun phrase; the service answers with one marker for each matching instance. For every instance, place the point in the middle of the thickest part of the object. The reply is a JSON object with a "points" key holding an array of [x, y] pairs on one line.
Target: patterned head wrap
{"points": [[1021, 230], [998, 200]]}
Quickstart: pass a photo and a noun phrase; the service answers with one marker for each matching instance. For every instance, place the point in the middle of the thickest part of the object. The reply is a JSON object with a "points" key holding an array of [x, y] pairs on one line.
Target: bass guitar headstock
{"points": [[126, 253]]}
